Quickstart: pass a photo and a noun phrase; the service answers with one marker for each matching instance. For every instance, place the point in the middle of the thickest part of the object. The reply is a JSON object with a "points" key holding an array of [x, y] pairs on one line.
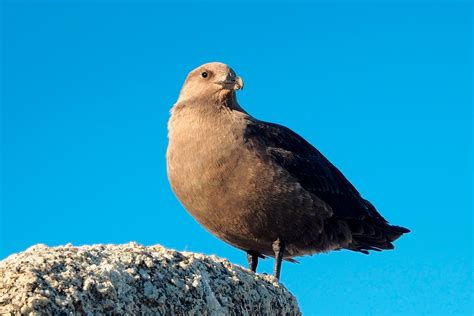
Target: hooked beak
{"points": [[234, 83]]}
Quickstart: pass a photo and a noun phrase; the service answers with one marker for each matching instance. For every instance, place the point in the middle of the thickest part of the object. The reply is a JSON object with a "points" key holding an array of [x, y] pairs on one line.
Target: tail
{"points": [[373, 232], [374, 236]]}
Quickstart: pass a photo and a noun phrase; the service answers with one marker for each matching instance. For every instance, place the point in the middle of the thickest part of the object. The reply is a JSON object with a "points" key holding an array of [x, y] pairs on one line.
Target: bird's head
{"points": [[212, 82]]}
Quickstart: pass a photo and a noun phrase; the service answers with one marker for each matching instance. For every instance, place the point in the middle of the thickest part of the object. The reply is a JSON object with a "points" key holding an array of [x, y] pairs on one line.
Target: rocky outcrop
{"points": [[131, 280]]}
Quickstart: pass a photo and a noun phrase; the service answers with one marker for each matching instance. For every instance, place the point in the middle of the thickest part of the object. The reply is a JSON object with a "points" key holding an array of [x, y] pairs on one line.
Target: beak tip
{"points": [[240, 83]]}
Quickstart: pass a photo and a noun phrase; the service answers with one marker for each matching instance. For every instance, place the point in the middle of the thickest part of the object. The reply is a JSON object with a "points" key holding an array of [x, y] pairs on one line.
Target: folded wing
{"points": [[320, 177]]}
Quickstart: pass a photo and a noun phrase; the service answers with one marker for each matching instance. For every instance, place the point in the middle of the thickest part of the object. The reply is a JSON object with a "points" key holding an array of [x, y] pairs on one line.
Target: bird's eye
{"points": [[204, 74]]}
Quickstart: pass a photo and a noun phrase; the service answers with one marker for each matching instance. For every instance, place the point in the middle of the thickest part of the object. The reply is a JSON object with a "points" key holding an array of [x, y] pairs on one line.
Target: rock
{"points": [[132, 279]]}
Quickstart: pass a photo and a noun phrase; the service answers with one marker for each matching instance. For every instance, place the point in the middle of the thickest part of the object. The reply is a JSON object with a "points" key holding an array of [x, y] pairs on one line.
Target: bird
{"points": [[260, 186]]}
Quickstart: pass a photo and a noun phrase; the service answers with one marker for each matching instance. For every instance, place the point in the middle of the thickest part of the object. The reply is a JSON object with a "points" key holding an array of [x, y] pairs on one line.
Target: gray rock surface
{"points": [[132, 279]]}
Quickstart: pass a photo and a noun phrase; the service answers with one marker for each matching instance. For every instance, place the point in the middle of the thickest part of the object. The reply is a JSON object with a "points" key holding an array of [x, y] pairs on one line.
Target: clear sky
{"points": [[383, 89]]}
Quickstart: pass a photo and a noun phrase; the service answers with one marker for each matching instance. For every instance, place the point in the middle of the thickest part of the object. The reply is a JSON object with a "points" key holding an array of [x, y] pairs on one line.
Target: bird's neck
{"points": [[229, 100], [223, 101]]}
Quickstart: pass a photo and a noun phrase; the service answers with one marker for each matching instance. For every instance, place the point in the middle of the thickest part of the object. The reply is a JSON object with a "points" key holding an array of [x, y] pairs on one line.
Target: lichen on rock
{"points": [[133, 279]]}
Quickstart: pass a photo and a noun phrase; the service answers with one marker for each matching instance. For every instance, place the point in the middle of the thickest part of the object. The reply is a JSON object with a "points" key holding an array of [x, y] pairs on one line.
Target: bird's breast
{"points": [[203, 168]]}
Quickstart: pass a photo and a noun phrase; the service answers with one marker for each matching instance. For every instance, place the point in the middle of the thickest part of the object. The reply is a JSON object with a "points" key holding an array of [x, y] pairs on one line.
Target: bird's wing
{"points": [[312, 170]]}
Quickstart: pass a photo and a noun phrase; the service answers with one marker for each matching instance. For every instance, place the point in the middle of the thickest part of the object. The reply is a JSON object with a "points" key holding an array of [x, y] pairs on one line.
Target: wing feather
{"points": [[370, 231], [313, 171]]}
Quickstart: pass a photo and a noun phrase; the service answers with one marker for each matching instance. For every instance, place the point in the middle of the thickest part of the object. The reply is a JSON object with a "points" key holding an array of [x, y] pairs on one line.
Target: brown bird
{"points": [[260, 186]]}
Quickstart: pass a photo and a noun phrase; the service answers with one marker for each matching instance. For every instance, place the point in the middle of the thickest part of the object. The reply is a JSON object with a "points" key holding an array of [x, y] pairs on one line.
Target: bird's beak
{"points": [[239, 83], [235, 83]]}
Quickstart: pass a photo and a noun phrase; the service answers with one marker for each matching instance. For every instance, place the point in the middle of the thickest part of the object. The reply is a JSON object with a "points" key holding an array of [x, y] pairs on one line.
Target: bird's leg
{"points": [[279, 249], [252, 259]]}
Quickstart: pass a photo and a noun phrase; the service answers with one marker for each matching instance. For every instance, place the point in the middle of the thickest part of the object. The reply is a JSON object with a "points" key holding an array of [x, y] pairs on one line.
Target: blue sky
{"points": [[383, 89]]}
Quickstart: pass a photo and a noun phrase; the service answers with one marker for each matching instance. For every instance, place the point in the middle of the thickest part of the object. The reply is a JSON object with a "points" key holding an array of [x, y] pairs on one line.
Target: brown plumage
{"points": [[260, 186]]}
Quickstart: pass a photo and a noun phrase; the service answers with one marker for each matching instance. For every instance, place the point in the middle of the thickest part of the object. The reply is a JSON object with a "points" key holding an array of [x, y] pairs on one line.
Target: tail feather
{"points": [[374, 235]]}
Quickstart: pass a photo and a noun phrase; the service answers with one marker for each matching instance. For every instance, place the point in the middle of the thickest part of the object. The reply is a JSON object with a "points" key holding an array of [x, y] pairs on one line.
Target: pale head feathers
{"points": [[210, 84]]}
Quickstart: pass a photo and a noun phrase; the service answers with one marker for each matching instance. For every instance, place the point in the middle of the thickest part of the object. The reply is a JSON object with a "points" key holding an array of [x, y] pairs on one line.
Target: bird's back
{"points": [[352, 215]]}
